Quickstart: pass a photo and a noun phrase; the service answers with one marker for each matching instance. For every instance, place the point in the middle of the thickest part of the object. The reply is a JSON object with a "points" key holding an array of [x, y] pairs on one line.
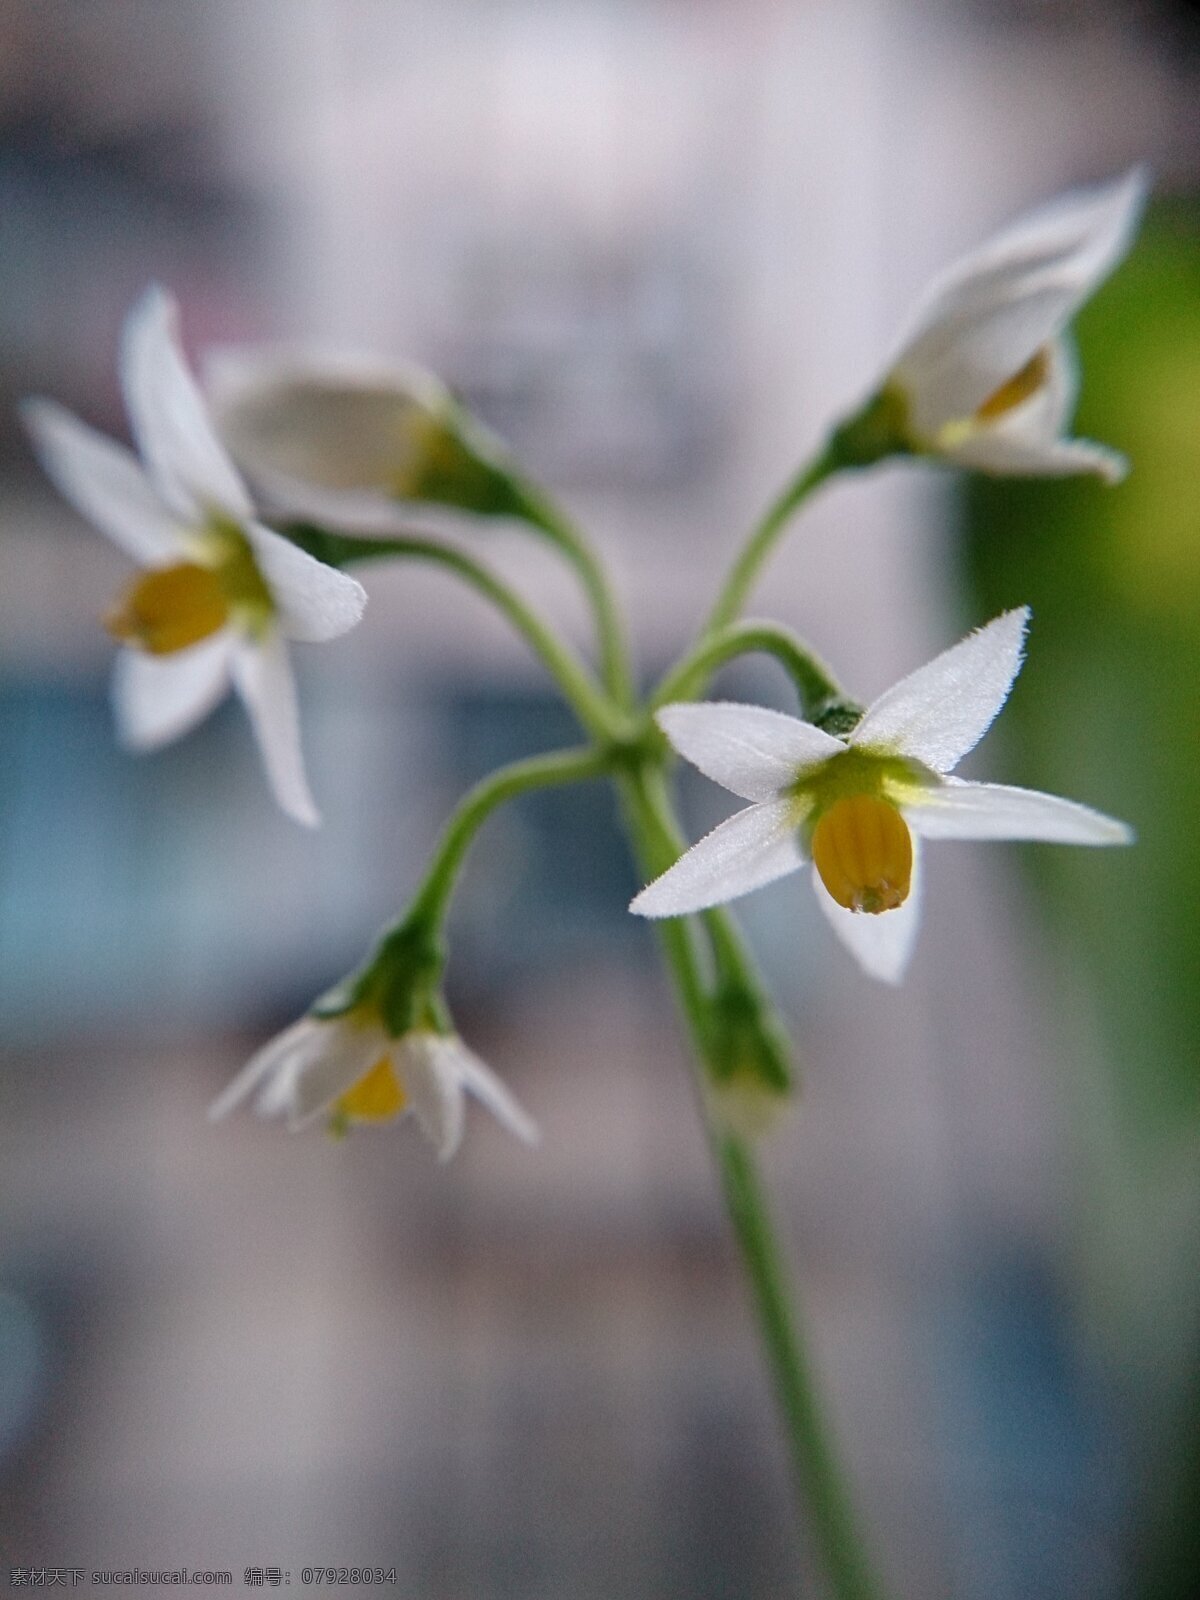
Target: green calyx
{"points": [[879, 430], [838, 717], [400, 983], [224, 549], [448, 465], [747, 1045], [750, 1078], [895, 779]]}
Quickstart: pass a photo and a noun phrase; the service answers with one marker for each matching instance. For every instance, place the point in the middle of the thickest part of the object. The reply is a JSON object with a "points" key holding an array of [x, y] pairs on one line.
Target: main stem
{"points": [[823, 1494], [657, 842], [824, 1500]]}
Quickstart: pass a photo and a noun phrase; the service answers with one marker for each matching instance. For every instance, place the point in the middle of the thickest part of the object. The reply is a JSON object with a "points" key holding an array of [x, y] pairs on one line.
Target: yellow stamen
{"points": [[1016, 389], [379, 1097], [170, 608], [862, 849]]}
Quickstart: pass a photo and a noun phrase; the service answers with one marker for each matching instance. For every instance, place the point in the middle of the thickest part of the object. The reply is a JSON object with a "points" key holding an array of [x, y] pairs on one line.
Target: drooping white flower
{"points": [[350, 1070], [984, 377], [338, 435], [221, 594], [858, 807]]}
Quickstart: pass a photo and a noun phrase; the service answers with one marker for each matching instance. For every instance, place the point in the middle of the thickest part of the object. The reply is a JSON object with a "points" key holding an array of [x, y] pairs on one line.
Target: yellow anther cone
{"points": [[376, 1098], [862, 850], [1017, 389], [170, 608]]}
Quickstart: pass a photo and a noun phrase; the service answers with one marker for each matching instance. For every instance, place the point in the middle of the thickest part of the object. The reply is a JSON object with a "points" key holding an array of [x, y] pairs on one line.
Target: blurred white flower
{"points": [[985, 377], [351, 1070], [343, 437], [221, 593], [857, 807]]}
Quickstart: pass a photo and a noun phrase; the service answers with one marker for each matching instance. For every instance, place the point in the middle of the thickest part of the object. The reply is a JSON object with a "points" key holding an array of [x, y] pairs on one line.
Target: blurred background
{"points": [[657, 245]]}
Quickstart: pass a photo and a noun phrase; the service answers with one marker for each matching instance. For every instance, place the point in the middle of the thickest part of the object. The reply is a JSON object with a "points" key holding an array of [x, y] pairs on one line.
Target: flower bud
{"points": [[751, 1079], [317, 431]]}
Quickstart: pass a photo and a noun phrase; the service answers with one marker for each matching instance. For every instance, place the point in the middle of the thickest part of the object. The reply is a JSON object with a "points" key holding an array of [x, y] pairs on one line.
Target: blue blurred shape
{"points": [[22, 1369]]}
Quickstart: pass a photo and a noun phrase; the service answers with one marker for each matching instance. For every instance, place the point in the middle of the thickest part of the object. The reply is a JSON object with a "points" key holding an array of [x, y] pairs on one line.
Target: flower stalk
{"points": [[595, 711], [744, 573], [819, 693], [825, 1501], [429, 906], [540, 512]]}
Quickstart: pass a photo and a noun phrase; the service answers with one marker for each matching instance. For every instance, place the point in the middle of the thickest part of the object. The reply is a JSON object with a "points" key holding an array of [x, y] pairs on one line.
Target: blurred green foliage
{"points": [[1108, 711]]}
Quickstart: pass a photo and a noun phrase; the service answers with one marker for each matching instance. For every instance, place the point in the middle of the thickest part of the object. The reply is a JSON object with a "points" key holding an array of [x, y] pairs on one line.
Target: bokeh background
{"points": [[657, 245]]}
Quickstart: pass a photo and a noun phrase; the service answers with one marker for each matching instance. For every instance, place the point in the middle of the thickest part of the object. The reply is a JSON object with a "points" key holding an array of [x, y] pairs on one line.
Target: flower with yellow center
{"points": [[221, 594], [350, 1071], [984, 377], [858, 807]]}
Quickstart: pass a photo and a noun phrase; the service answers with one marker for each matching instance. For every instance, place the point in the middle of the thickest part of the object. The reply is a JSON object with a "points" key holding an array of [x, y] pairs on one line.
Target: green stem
{"points": [[730, 957], [655, 850], [815, 684], [539, 510], [745, 569], [402, 976], [595, 712], [823, 1493], [538, 772], [824, 1500], [657, 844]]}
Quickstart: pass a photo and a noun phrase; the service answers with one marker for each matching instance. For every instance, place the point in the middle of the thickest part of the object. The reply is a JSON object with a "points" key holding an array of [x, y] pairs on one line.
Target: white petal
{"points": [[942, 710], [1046, 414], [755, 752], [262, 675], [316, 602], [961, 810], [311, 416], [752, 848], [297, 1041], [103, 481], [428, 1070], [1092, 226], [946, 381], [1006, 454], [882, 942], [1027, 440], [170, 421], [483, 1083], [307, 1086], [992, 311], [158, 698]]}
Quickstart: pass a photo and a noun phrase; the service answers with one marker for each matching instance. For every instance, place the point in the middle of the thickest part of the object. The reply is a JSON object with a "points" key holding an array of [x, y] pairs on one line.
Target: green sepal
{"points": [[408, 969], [837, 717], [751, 1081], [458, 467], [855, 771], [346, 995], [880, 429], [399, 982], [747, 1044]]}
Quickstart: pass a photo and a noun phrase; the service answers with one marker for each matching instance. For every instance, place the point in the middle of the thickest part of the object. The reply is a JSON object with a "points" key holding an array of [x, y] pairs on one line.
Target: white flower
{"points": [[985, 377], [221, 593], [349, 1068], [336, 435], [858, 807]]}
